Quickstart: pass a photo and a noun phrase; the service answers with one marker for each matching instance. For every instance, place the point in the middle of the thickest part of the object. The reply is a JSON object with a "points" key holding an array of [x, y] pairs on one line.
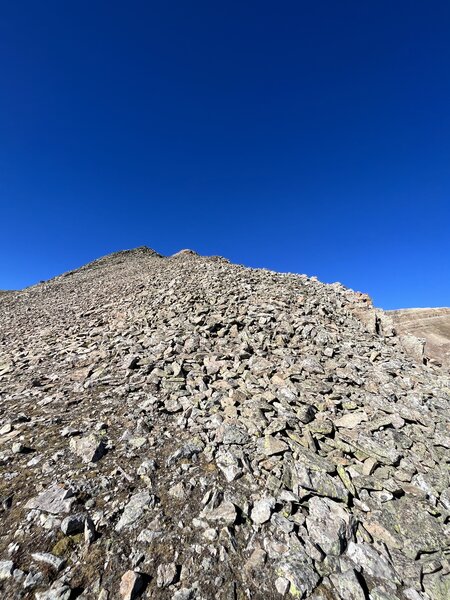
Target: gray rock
{"points": [[329, 525], [437, 585], [305, 413], [90, 532], [371, 562], [166, 575], [282, 585], [49, 559], [351, 420], [18, 448], [301, 575], [73, 524], [321, 483], [57, 592], [385, 453], [188, 450], [178, 491], [183, 594], [313, 461], [347, 585], [55, 500], [6, 569], [272, 445], [224, 514], [312, 365], [219, 386], [381, 593], [90, 448], [131, 362], [229, 465], [32, 580], [134, 510], [262, 510], [409, 526], [412, 594], [234, 435]]}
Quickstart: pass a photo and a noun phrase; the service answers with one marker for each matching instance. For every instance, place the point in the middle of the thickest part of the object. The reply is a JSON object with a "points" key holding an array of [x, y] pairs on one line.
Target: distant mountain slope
{"points": [[432, 324]]}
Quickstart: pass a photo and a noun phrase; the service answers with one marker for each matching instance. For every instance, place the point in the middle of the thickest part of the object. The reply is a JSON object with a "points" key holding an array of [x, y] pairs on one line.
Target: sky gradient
{"points": [[298, 136]]}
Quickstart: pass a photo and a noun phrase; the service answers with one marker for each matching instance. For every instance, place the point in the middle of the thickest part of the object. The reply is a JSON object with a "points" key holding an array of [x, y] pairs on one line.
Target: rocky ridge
{"points": [[182, 427]]}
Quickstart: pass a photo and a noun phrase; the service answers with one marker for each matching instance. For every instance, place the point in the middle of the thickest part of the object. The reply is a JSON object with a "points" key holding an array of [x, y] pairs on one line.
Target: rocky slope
{"points": [[431, 324], [186, 428]]}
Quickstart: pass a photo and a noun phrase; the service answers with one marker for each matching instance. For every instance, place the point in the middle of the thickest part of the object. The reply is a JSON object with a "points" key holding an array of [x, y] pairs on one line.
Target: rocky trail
{"points": [[185, 428]]}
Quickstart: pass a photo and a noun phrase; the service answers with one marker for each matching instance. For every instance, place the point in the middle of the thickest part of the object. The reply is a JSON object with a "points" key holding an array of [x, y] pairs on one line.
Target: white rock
{"points": [[166, 574], [6, 569], [262, 510], [282, 585]]}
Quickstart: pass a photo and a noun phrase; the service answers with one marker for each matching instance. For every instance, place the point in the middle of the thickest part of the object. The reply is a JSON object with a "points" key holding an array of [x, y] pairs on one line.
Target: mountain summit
{"points": [[186, 428]]}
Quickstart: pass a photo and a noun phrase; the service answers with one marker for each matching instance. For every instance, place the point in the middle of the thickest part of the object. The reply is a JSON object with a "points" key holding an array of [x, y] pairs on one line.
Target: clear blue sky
{"points": [[309, 137]]}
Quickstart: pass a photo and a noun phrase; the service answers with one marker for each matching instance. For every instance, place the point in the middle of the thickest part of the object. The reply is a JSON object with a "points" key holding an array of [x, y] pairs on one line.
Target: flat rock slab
{"points": [[134, 510], [410, 527], [55, 500]]}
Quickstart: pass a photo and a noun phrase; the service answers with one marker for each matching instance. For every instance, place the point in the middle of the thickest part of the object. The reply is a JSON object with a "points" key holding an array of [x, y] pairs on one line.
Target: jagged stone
{"points": [[262, 510], [6, 569], [347, 585], [166, 574], [131, 585], [301, 575], [90, 448], [229, 465], [60, 591], [437, 585], [329, 525], [410, 526], [55, 500], [371, 562], [49, 559], [320, 483], [272, 445], [73, 524], [133, 510], [225, 514]]}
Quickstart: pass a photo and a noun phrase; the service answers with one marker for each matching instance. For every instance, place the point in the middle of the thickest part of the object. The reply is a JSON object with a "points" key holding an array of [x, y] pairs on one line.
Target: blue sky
{"points": [[309, 137]]}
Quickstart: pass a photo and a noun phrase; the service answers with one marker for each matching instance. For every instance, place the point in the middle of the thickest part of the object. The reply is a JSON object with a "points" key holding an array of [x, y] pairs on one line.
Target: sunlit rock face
{"points": [[430, 324]]}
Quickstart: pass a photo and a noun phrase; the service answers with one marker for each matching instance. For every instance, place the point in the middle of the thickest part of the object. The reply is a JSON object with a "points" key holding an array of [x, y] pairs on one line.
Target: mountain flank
{"points": [[431, 324], [186, 428]]}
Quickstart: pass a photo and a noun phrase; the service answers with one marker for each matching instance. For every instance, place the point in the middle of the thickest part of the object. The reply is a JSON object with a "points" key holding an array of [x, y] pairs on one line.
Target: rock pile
{"points": [[186, 428]]}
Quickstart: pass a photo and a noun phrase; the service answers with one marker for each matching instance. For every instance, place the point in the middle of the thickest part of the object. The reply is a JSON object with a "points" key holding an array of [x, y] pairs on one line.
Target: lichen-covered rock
{"points": [[328, 525]]}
